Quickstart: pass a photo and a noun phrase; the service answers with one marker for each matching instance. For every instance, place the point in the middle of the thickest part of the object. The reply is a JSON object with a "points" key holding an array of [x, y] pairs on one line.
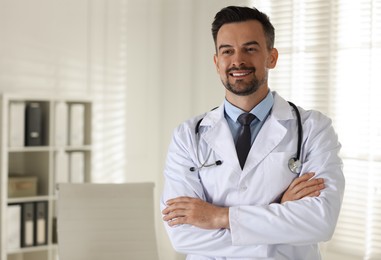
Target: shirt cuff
{"points": [[234, 226]]}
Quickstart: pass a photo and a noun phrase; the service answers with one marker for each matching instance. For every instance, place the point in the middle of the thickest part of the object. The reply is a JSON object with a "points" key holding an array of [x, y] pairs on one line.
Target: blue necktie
{"points": [[243, 143]]}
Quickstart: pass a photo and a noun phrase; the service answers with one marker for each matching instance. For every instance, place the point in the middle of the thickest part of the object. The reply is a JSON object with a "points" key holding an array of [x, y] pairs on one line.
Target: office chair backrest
{"points": [[106, 222]]}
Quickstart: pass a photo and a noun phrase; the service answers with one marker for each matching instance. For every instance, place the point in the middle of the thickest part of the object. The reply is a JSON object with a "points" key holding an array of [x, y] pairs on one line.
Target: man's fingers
{"points": [[178, 221], [174, 213], [303, 186], [178, 199], [313, 194], [315, 185], [305, 177], [180, 202], [311, 183], [178, 208], [174, 207]]}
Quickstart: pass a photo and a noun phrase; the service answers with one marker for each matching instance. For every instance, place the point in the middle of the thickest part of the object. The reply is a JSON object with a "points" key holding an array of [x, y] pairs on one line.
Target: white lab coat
{"points": [[260, 228]]}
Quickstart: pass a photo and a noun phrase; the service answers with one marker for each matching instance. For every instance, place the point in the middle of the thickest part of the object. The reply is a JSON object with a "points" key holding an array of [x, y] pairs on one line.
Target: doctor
{"points": [[215, 204]]}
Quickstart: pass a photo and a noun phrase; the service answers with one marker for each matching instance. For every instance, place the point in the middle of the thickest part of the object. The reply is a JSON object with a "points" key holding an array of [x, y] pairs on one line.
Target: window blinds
{"points": [[330, 60]]}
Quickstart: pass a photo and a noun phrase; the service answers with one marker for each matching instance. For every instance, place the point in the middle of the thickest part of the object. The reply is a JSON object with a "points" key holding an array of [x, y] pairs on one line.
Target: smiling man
{"points": [[243, 60], [229, 193]]}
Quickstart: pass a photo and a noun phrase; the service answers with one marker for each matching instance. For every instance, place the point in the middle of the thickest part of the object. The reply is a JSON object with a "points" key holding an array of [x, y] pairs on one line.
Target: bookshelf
{"points": [[30, 169]]}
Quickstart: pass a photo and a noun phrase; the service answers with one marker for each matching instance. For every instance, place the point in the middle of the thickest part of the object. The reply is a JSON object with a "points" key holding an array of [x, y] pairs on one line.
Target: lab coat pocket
{"points": [[217, 181], [276, 174]]}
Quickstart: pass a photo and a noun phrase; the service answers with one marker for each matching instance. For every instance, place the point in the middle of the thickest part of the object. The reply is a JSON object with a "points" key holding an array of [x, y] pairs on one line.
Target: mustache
{"points": [[240, 68]]}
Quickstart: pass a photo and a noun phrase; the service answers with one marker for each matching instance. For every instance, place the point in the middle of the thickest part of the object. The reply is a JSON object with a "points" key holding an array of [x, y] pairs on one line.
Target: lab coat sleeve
{"points": [[180, 181], [305, 221]]}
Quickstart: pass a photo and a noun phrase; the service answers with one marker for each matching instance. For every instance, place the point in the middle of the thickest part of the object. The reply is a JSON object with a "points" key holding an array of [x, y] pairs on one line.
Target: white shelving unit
{"points": [[41, 162]]}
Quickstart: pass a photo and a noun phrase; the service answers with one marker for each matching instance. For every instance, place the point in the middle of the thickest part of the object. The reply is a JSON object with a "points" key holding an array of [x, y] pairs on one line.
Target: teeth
{"points": [[240, 74]]}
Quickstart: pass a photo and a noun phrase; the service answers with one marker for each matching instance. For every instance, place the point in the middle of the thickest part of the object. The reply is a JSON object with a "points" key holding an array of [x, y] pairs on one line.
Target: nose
{"points": [[238, 59]]}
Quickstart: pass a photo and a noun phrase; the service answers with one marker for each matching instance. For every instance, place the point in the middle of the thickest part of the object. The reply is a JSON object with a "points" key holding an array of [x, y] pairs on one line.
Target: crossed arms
{"points": [[196, 212]]}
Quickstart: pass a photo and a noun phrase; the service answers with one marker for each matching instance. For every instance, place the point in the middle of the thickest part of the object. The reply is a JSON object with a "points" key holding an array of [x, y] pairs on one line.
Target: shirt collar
{"points": [[260, 111]]}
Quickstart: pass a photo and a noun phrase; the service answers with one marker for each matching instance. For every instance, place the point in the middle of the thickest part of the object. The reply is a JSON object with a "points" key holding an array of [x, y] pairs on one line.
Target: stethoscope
{"points": [[294, 163]]}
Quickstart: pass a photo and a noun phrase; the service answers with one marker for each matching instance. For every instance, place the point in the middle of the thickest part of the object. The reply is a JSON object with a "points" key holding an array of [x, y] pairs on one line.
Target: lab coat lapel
{"points": [[271, 133], [219, 138]]}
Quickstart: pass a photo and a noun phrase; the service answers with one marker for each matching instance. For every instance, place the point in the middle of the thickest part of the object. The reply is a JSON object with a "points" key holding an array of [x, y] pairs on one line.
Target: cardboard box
{"points": [[22, 186]]}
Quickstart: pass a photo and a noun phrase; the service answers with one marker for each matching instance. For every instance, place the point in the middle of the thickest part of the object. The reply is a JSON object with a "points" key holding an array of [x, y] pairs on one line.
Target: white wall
{"points": [[41, 50], [71, 48]]}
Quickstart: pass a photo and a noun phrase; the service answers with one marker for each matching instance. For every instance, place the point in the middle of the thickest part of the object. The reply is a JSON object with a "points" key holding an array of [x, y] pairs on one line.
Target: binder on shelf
{"points": [[77, 124], [54, 232], [40, 231], [61, 124], [33, 124], [13, 226], [16, 124], [37, 153], [27, 224], [77, 167]]}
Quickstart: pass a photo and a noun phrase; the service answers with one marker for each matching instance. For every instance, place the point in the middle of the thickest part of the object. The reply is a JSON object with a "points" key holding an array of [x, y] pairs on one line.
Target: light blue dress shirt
{"points": [[261, 111]]}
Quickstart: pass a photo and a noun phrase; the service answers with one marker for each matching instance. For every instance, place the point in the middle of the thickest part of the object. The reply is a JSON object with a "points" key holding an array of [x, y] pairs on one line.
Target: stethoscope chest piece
{"points": [[294, 165]]}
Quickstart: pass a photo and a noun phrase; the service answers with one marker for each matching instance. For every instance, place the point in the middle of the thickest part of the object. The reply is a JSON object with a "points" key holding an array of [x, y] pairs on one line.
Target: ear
{"points": [[215, 59], [273, 58]]}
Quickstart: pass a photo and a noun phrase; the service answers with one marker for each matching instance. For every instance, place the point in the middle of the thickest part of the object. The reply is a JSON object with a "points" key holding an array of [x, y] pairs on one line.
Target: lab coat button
{"points": [[243, 188]]}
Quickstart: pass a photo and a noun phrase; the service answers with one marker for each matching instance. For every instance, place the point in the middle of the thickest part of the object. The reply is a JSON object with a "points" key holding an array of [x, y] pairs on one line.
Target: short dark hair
{"points": [[234, 14]]}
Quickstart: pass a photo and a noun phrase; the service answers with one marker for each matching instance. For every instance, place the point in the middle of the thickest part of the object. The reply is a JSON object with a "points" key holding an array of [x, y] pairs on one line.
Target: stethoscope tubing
{"points": [[300, 130], [294, 162]]}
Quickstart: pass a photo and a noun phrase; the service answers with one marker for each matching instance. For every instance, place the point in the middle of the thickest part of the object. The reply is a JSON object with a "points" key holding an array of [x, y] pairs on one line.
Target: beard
{"points": [[242, 88]]}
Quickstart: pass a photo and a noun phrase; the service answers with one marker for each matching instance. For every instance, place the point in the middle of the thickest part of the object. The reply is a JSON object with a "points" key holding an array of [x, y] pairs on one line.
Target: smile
{"points": [[240, 74]]}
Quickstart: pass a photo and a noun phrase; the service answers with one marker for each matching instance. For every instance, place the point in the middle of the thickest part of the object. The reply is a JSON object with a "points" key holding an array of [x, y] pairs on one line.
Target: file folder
{"points": [[61, 167], [40, 226], [13, 226], [33, 124], [76, 124], [27, 224], [16, 124], [77, 167], [61, 124]]}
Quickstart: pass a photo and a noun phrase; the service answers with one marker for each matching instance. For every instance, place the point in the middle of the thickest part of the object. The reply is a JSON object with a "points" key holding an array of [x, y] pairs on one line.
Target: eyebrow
{"points": [[245, 44]]}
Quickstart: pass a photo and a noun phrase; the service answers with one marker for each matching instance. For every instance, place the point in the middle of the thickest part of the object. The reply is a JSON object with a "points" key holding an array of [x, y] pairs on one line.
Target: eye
{"points": [[227, 52], [251, 49]]}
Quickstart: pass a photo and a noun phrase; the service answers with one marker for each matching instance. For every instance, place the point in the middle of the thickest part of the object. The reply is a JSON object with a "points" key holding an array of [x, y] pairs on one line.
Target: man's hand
{"points": [[302, 187], [196, 212]]}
